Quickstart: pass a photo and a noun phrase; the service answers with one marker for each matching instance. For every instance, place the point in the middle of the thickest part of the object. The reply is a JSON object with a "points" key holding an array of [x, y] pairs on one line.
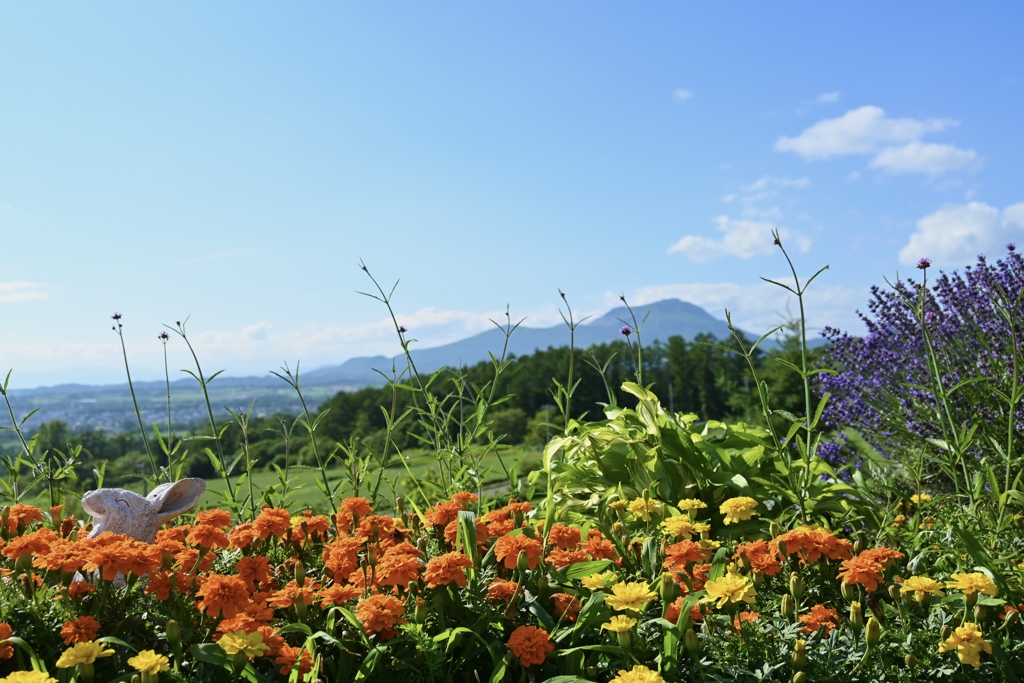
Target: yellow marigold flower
{"points": [[731, 589], [679, 526], [709, 546], [701, 527], [250, 643], [921, 586], [974, 582], [638, 674], [617, 505], [83, 653], [968, 643], [643, 509], [596, 582], [619, 624], [691, 505], [149, 662], [919, 498], [738, 509], [28, 677], [629, 596]]}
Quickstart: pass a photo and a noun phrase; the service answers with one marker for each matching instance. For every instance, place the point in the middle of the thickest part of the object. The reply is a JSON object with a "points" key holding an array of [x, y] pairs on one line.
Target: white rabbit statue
{"points": [[125, 512]]}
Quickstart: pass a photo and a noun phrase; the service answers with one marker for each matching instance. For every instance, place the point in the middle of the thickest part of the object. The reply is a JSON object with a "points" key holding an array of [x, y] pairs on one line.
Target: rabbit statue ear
{"points": [[170, 500]]}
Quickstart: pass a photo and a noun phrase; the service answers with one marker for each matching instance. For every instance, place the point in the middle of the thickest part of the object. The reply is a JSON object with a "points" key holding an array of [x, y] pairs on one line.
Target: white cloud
{"points": [[920, 157], [955, 235], [18, 291], [682, 94], [765, 187], [827, 97], [859, 131], [740, 237]]}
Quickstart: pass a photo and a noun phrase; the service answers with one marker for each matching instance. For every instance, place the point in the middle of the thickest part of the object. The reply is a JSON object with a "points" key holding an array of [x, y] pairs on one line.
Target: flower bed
{"points": [[642, 591]]}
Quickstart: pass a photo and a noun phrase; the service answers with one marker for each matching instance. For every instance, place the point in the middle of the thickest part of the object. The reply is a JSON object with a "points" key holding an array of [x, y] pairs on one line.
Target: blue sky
{"points": [[233, 162]]}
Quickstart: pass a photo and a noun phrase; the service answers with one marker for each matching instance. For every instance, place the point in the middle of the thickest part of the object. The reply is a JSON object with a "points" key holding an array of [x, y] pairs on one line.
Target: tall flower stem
{"points": [[138, 413]]}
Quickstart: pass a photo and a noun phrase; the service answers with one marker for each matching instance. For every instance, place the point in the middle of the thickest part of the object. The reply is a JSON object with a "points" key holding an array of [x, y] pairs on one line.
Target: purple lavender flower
{"points": [[924, 263], [884, 387], [116, 316], [401, 329], [625, 331], [163, 336]]}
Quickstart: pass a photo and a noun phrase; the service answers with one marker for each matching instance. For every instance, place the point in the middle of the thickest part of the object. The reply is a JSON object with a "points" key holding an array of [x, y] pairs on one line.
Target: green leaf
{"points": [[579, 570]]}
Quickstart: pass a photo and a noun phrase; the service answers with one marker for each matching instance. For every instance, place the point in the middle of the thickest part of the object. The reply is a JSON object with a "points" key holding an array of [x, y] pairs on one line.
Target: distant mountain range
{"points": [[109, 406], [659, 321]]}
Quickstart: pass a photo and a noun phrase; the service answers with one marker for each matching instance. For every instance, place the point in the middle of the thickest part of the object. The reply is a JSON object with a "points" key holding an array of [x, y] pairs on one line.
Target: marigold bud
{"points": [[858, 546], [849, 591], [774, 529], [910, 660], [522, 561], [873, 632], [856, 616], [788, 607], [799, 654], [669, 589], [691, 642], [894, 592], [945, 631], [799, 677], [796, 587], [299, 571]]}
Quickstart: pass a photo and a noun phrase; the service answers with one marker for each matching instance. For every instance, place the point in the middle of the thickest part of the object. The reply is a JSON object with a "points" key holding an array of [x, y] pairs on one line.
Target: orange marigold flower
{"points": [[566, 606], [63, 556], [819, 616], [399, 566], [377, 528], [255, 570], [81, 630], [744, 618], [223, 594], [380, 614], [883, 556], [33, 544], [290, 656], [341, 556], [673, 611], [464, 499], [114, 554], [310, 527], [563, 558], [442, 513], [6, 649], [351, 510], [79, 589], [20, 516], [685, 553], [531, 645], [272, 522], [243, 536], [451, 532], [338, 594], [812, 543], [217, 518], [207, 536], [507, 550], [293, 593], [501, 590], [597, 547], [862, 570], [564, 537], [256, 615], [762, 557], [447, 568]]}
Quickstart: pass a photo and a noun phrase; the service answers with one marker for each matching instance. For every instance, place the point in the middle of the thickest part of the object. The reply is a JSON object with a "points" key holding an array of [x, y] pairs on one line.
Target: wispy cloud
{"points": [[827, 97], [954, 235], [927, 158], [765, 187], [18, 290], [740, 237], [682, 95]]}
